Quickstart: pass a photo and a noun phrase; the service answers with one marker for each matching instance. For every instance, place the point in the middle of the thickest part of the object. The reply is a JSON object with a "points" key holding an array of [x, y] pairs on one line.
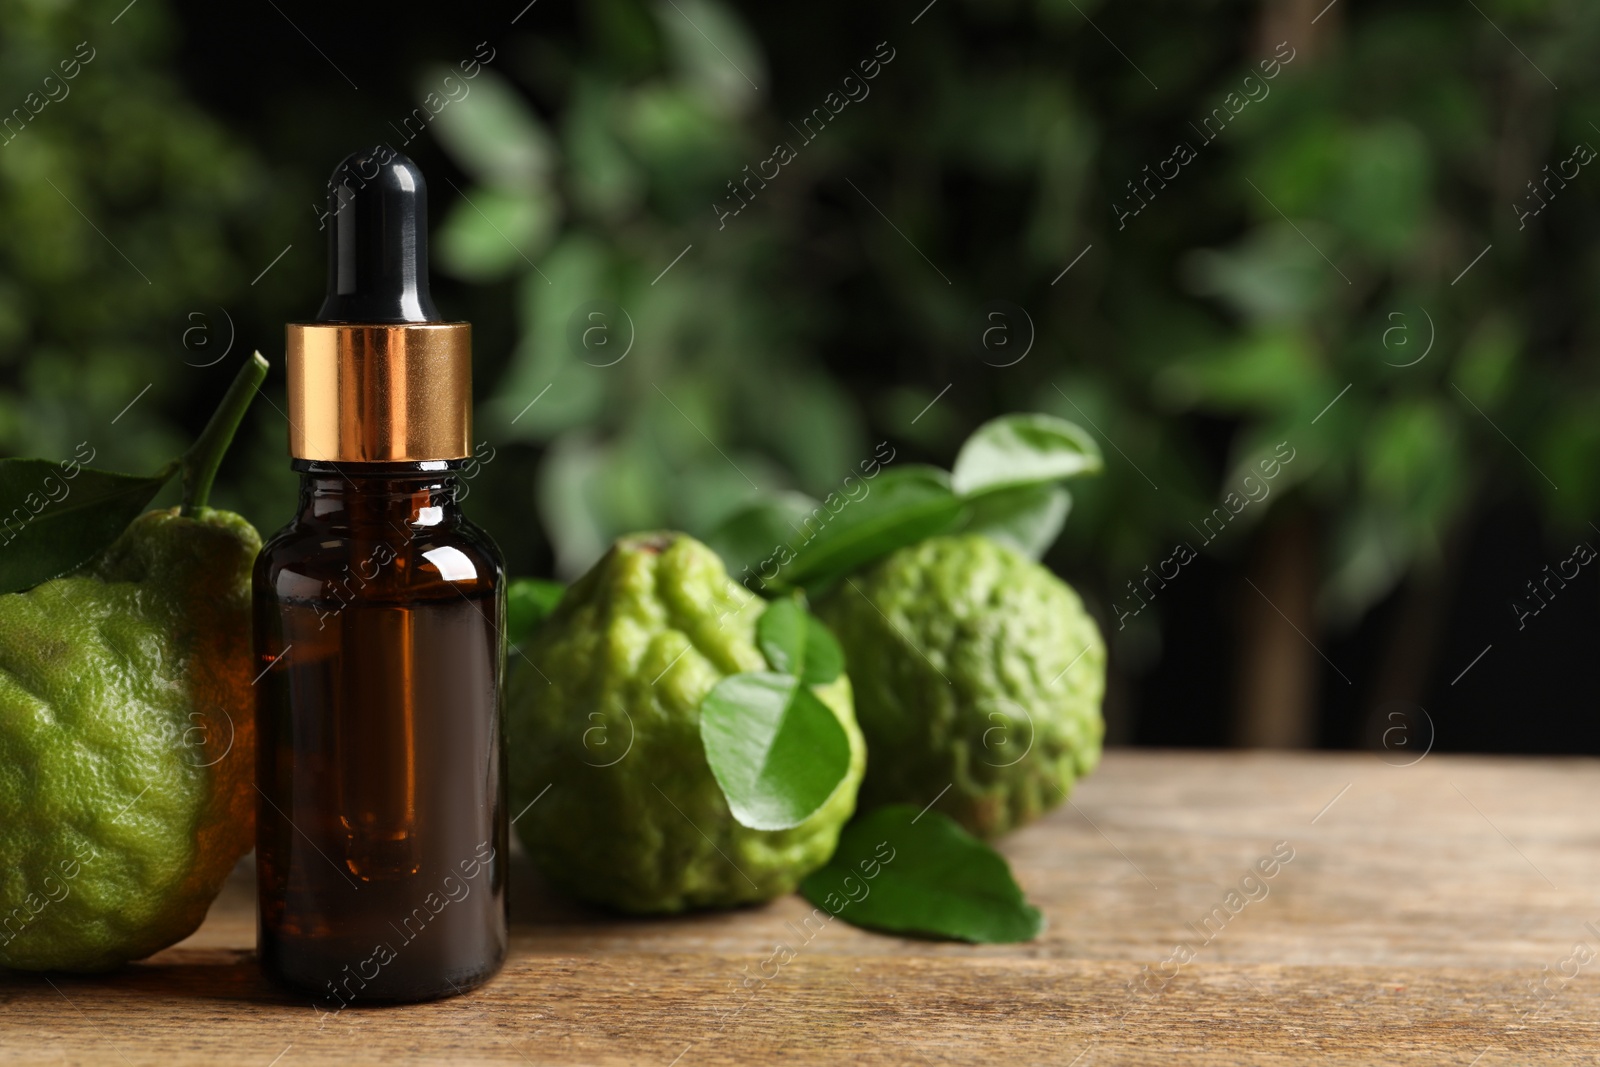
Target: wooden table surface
{"points": [[1421, 907]]}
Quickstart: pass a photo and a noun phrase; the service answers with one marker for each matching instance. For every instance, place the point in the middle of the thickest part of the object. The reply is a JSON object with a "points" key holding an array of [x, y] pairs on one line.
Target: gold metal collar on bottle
{"points": [[376, 393]]}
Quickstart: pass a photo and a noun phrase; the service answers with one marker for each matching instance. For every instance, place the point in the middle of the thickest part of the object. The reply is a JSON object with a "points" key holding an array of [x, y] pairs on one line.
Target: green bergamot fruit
{"points": [[974, 668], [127, 744], [605, 738]]}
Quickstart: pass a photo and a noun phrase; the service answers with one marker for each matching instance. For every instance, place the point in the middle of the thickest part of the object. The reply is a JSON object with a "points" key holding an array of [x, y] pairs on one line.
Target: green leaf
{"points": [[483, 238], [1261, 372], [716, 53], [796, 642], [53, 521], [756, 535], [907, 872], [1023, 449], [1028, 518], [604, 179], [492, 132], [776, 750], [900, 507], [528, 602], [55, 517]]}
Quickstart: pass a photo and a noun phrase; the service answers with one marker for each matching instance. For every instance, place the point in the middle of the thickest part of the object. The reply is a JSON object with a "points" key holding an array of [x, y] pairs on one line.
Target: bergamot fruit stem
{"points": [[201, 461]]}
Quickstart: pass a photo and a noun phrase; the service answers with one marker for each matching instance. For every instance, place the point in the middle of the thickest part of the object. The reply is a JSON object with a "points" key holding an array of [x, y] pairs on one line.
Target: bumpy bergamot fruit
{"points": [[604, 734], [127, 744], [974, 668]]}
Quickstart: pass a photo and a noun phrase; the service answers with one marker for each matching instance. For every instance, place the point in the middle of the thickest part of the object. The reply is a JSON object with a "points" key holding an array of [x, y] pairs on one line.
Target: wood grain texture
{"points": [[1417, 913]]}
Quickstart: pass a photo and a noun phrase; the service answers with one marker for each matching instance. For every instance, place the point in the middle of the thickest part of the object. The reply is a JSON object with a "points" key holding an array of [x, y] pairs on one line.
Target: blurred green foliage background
{"points": [[1350, 266]]}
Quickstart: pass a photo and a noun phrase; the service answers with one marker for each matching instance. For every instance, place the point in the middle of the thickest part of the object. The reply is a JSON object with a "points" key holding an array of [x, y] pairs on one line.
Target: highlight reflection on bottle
{"points": [[379, 615]]}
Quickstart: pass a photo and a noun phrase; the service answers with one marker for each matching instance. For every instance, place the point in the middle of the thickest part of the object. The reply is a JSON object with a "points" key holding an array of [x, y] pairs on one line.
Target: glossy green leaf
{"points": [[529, 601], [909, 872], [1028, 518], [55, 517], [756, 537], [1025, 449], [776, 750], [901, 507], [796, 642]]}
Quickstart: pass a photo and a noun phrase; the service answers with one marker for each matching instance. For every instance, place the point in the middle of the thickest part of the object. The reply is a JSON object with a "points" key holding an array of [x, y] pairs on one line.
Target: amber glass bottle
{"points": [[379, 618]]}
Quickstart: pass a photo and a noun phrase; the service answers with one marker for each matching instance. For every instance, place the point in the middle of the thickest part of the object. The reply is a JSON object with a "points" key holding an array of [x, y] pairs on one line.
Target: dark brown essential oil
{"points": [[379, 627], [382, 837]]}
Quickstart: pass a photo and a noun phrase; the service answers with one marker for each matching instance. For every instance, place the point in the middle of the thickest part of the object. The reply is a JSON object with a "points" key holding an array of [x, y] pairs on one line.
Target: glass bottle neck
{"points": [[375, 495]]}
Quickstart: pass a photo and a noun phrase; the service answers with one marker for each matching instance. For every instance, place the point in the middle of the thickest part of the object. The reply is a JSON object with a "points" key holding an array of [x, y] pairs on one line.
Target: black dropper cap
{"points": [[377, 241]]}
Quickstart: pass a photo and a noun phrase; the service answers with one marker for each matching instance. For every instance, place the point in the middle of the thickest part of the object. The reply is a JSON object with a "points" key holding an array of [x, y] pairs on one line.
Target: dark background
{"points": [[1223, 318]]}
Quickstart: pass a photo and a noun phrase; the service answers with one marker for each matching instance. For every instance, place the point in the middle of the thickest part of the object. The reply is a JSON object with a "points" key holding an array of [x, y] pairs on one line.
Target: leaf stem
{"points": [[201, 461]]}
